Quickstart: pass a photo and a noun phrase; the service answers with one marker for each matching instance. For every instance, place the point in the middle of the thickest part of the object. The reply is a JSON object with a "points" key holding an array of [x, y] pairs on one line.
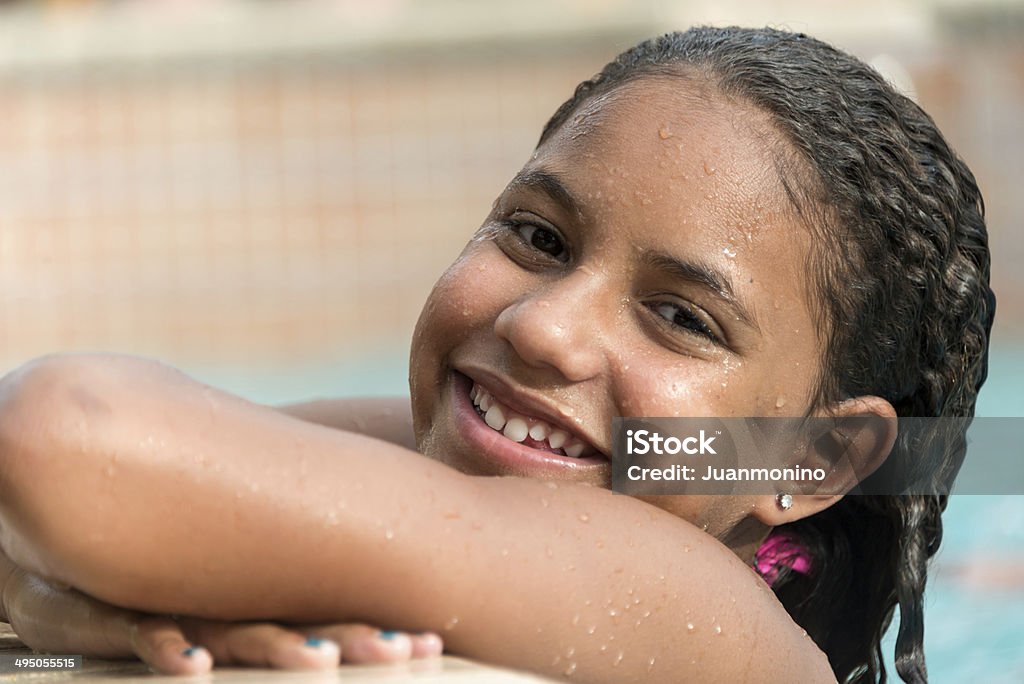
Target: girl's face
{"points": [[645, 262]]}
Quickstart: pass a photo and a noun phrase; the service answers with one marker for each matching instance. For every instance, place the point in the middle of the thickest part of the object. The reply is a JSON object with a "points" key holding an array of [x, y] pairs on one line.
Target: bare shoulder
{"points": [[385, 418]]}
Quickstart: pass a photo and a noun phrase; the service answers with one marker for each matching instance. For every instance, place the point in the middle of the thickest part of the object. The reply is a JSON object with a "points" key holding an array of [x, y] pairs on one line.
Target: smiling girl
{"points": [[724, 222]]}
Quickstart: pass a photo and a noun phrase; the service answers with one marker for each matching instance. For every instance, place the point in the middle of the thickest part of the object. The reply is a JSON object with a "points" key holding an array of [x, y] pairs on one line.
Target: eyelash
{"points": [[697, 327], [515, 226]]}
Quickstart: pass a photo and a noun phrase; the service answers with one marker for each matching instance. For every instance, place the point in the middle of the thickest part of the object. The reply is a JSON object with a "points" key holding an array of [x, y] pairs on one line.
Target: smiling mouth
{"points": [[529, 431]]}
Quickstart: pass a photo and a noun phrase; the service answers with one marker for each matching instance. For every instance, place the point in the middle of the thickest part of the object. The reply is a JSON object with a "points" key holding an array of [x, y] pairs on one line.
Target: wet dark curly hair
{"points": [[900, 277]]}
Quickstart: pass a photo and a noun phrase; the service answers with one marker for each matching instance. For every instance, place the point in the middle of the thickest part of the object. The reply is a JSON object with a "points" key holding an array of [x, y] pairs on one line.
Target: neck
{"points": [[746, 537]]}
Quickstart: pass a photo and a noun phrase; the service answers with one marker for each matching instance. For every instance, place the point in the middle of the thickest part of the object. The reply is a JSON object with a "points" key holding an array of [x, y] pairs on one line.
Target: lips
{"points": [[511, 449]]}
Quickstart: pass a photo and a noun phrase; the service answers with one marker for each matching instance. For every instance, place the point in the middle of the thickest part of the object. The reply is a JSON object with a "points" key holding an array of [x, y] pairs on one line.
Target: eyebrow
{"points": [[718, 282], [552, 186]]}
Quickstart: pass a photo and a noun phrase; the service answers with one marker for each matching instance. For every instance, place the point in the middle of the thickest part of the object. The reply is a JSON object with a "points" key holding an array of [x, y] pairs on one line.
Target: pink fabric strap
{"points": [[781, 550]]}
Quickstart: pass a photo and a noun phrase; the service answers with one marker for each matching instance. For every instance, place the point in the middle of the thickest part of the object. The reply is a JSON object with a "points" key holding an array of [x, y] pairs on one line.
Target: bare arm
{"points": [[385, 418], [278, 518]]}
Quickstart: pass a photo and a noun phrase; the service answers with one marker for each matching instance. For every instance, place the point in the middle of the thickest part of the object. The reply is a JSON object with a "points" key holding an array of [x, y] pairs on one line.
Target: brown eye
{"points": [[680, 317], [543, 240]]}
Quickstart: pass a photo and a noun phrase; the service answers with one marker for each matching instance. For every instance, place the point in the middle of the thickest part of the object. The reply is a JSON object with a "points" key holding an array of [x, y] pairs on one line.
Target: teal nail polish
{"points": [[190, 651], [313, 642], [388, 634]]}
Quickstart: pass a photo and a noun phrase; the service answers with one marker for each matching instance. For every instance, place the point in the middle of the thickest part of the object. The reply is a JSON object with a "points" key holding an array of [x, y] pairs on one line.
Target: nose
{"points": [[557, 327]]}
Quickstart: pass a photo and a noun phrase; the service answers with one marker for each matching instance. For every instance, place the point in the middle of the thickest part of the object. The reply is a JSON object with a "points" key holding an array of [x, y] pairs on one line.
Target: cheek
{"points": [[465, 300], [653, 385]]}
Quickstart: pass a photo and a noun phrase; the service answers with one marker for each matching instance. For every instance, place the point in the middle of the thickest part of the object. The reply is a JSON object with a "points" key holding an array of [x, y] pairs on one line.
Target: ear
{"points": [[849, 441]]}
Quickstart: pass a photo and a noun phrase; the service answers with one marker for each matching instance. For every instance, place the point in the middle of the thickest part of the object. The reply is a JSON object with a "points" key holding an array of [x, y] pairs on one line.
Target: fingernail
{"points": [[388, 634]]}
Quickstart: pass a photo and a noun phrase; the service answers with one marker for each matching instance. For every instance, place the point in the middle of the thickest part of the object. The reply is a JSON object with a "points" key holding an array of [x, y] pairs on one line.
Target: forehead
{"points": [[674, 143]]}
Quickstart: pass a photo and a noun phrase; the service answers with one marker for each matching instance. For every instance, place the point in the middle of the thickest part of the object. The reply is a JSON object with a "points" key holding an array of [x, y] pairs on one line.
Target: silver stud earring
{"points": [[785, 501]]}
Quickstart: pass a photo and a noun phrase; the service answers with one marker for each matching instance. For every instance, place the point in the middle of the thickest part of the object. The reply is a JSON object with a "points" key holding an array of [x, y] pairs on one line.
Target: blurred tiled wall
{"points": [[248, 208], [292, 202]]}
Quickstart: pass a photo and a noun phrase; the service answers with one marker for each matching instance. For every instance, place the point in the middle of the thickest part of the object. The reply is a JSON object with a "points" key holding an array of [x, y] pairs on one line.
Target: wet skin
{"points": [[645, 262]]}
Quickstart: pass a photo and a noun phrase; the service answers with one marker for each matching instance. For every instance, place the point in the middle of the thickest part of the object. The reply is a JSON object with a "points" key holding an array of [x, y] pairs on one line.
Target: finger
{"points": [[427, 645], [263, 645], [160, 643], [364, 644]]}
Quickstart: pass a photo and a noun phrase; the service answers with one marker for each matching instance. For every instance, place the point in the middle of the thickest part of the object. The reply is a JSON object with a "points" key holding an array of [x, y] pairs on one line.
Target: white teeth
{"points": [[574, 450], [495, 417], [516, 429], [539, 431]]}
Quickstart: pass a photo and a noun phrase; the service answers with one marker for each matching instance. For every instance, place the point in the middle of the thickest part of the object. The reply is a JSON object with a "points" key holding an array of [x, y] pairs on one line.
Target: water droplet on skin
{"points": [[780, 402], [504, 553], [664, 133], [690, 627], [709, 169], [650, 664], [618, 659], [389, 534], [545, 503], [551, 485], [466, 312], [613, 613], [451, 622], [591, 629], [584, 517], [718, 629], [575, 619], [568, 672], [729, 252]]}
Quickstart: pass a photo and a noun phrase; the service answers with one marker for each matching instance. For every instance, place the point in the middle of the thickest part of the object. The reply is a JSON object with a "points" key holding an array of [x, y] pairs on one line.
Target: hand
{"points": [[50, 618]]}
